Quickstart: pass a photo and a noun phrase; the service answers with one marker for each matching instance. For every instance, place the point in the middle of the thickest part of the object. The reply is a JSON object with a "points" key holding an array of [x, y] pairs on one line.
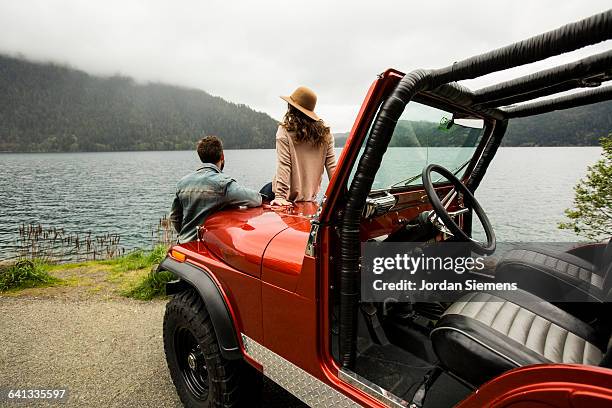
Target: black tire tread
{"points": [[230, 380]]}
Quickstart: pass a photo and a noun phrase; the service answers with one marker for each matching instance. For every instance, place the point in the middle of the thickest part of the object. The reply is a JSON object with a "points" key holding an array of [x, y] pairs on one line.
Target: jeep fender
{"points": [[201, 280]]}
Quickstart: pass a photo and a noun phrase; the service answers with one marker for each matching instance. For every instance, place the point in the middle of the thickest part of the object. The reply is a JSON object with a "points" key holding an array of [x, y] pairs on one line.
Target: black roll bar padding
{"points": [[537, 93], [456, 92], [487, 155], [550, 81], [350, 250], [570, 37], [563, 102], [462, 96]]}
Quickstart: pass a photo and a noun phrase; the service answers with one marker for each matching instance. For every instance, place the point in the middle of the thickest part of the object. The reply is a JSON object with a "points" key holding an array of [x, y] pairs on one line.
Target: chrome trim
{"points": [[380, 394], [309, 389], [312, 238], [458, 212], [379, 205], [448, 199]]}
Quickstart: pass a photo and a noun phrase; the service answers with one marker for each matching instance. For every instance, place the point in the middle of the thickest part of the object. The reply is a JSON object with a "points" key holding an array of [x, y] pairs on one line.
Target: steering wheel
{"points": [[440, 209]]}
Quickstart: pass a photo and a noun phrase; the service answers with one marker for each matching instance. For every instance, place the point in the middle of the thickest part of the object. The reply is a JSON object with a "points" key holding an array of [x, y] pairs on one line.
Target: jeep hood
{"points": [[240, 236]]}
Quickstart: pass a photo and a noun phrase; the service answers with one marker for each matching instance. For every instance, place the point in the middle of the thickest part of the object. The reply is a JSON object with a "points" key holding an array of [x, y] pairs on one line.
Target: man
{"points": [[207, 190]]}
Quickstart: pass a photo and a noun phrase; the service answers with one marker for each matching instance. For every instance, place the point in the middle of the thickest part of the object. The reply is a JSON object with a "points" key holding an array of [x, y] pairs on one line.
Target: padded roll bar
{"points": [[570, 37], [560, 103], [586, 72]]}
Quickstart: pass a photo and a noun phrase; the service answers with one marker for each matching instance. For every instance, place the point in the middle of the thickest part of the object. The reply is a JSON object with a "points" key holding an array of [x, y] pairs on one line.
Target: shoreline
{"points": [[250, 149]]}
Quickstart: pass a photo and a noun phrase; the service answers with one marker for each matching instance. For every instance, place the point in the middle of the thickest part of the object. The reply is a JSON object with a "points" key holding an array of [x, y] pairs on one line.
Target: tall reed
{"points": [[52, 244]]}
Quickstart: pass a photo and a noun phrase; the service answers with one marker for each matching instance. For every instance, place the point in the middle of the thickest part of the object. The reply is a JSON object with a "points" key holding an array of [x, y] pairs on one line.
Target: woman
{"points": [[304, 147]]}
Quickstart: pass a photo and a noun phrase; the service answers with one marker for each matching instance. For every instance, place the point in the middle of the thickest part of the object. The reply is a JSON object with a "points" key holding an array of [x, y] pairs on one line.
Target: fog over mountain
{"points": [[53, 108], [253, 51]]}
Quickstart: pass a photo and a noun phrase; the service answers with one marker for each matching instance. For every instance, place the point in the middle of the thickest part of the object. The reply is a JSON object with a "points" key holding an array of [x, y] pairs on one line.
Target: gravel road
{"points": [[108, 353]]}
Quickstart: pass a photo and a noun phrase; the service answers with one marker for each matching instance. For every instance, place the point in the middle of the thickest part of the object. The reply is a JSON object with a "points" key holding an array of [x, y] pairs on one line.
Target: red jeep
{"points": [[277, 291]]}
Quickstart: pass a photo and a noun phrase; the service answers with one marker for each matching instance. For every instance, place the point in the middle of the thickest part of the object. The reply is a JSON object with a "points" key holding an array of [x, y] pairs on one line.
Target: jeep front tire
{"points": [[202, 377]]}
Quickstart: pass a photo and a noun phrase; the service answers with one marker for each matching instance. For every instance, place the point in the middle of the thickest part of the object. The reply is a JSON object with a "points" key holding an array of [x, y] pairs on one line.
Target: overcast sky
{"points": [[253, 51]]}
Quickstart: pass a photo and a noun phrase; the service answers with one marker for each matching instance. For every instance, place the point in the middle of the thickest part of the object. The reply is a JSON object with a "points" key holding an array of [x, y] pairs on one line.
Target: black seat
{"points": [[483, 335], [558, 276]]}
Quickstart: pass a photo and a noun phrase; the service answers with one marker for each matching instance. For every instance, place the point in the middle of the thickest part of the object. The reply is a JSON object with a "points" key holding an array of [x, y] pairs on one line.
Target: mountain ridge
{"points": [[49, 107], [46, 107]]}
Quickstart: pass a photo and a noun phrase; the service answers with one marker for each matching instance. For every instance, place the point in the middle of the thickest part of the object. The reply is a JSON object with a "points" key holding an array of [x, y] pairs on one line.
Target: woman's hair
{"points": [[305, 128]]}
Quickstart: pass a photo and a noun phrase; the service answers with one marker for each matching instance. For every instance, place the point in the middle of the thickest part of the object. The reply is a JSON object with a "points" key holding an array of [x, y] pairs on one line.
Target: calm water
{"points": [[524, 192]]}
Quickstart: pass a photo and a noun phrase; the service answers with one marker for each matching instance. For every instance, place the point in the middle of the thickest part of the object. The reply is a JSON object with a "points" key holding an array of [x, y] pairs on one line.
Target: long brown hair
{"points": [[306, 129]]}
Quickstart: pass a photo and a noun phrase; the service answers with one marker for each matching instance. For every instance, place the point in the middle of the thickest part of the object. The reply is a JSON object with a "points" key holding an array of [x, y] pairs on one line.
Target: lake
{"points": [[524, 192]]}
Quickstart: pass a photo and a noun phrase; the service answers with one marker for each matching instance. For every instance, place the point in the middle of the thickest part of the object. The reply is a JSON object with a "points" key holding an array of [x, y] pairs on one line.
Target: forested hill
{"points": [[49, 108], [582, 126]]}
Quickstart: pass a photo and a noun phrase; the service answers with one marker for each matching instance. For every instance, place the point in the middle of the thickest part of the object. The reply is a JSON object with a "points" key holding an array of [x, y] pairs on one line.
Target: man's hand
{"points": [[281, 202]]}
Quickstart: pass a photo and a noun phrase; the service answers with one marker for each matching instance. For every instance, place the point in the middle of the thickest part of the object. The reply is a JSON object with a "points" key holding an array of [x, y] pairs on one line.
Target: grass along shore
{"points": [[130, 276]]}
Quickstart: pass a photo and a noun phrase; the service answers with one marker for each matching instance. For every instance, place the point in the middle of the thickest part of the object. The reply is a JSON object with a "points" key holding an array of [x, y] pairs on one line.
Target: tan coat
{"points": [[299, 167]]}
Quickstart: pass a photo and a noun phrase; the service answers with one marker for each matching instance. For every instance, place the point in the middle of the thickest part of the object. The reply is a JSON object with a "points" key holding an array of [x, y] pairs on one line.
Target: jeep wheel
{"points": [[202, 377]]}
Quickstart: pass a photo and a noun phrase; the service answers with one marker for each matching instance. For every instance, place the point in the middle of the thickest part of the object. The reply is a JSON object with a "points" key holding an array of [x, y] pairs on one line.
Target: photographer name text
{"points": [[406, 285]]}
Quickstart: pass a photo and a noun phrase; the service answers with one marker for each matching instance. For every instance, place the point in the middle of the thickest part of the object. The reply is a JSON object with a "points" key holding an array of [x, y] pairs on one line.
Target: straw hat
{"points": [[304, 100]]}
